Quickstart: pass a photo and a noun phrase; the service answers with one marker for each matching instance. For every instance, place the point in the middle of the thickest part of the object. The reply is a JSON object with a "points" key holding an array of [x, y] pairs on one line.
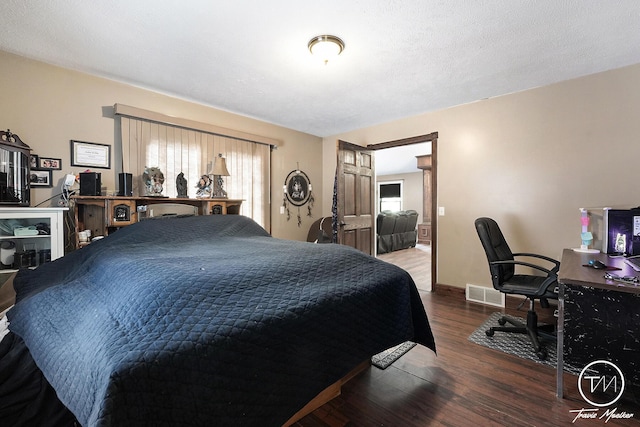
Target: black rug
{"points": [[515, 344], [384, 359]]}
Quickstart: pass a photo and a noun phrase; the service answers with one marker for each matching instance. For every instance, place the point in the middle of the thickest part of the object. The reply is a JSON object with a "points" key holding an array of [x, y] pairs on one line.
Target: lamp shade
{"points": [[219, 167]]}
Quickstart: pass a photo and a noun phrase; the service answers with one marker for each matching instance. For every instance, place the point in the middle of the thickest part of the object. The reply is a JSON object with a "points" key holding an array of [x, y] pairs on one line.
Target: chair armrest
{"points": [[551, 272], [546, 258], [550, 279]]}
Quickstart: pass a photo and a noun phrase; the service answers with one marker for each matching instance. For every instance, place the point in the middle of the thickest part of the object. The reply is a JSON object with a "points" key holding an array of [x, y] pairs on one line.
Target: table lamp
{"points": [[218, 170], [586, 237]]}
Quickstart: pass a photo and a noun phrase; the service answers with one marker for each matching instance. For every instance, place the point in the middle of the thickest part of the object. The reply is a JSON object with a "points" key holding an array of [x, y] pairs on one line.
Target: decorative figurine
{"points": [[153, 180], [181, 185], [204, 187]]}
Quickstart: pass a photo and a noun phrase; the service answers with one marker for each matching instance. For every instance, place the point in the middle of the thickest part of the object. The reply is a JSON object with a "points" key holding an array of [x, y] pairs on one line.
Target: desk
{"points": [[598, 319], [104, 214]]}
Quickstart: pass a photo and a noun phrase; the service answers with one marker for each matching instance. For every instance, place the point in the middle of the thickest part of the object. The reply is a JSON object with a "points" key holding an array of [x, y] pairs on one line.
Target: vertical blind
{"points": [[175, 149]]}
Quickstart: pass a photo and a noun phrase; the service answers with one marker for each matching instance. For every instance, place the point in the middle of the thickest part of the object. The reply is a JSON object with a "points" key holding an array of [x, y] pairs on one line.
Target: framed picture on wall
{"points": [[40, 178], [90, 154], [49, 163], [33, 161]]}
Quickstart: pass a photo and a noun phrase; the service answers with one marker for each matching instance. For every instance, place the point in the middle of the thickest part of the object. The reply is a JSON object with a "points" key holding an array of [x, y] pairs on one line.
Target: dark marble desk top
{"points": [[573, 272]]}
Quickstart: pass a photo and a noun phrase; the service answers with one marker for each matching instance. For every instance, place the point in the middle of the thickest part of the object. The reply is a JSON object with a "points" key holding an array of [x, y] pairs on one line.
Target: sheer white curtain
{"points": [[175, 149]]}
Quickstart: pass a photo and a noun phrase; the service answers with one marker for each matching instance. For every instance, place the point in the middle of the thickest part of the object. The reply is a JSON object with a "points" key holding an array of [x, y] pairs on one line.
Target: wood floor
{"points": [[417, 261], [465, 384]]}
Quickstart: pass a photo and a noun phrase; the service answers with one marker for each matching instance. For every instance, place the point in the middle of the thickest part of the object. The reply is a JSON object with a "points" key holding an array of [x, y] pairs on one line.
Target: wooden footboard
{"points": [[327, 394]]}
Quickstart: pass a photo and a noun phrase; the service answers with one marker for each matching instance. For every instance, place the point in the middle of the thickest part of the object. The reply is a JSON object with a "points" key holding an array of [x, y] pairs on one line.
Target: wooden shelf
{"points": [[102, 215]]}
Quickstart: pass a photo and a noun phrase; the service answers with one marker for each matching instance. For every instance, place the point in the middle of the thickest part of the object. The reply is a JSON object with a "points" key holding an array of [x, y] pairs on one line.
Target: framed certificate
{"points": [[90, 154]]}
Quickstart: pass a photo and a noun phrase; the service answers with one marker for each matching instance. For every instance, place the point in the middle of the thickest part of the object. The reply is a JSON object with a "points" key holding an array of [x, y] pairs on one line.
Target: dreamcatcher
{"points": [[297, 192]]}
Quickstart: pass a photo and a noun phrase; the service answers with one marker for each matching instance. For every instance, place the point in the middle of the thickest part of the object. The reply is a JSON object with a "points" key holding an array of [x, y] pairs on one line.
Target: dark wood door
{"points": [[356, 197]]}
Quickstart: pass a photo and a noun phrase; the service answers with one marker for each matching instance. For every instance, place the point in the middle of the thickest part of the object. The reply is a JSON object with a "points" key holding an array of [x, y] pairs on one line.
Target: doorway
{"points": [[428, 166]]}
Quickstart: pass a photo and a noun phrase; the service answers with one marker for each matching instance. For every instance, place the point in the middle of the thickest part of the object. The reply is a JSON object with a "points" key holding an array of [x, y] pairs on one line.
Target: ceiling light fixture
{"points": [[326, 47]]}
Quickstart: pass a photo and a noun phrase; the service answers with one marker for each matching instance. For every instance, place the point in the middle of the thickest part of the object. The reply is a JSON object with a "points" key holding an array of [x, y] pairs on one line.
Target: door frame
{"points": [[433, 138]]}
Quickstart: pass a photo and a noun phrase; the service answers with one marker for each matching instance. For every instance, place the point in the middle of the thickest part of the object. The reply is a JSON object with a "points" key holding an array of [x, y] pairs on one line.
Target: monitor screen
{"points": [[622, 232]]}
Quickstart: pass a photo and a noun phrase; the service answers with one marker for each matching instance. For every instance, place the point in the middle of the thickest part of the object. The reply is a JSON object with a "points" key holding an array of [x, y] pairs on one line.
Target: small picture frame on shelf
{"points": [[49, 163], [40, 178]]}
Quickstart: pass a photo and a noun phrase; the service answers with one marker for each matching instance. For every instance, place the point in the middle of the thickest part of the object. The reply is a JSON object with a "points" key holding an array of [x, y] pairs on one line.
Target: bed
{"points": [[204, 320]]}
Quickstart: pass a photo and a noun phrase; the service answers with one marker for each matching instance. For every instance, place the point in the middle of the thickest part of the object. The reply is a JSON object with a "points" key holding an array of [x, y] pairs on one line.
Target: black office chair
{"points": [[502, 266]]}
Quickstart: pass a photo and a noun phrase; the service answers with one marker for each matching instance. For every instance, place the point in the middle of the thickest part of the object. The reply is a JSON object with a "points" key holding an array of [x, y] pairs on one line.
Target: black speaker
{"points": [[90, 184], [126, 186]]}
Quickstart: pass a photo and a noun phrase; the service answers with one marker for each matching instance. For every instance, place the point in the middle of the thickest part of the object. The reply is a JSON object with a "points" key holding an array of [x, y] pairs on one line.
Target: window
{"points": [[175, 149], [390, 196]]}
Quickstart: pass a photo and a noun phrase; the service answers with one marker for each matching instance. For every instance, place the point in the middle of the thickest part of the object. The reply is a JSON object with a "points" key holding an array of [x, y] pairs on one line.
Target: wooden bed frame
{"points": [[327, 394]]}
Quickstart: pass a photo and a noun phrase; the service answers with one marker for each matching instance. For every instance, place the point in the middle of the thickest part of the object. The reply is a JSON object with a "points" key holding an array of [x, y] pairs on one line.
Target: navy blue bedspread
{"points": [[207, 321]]}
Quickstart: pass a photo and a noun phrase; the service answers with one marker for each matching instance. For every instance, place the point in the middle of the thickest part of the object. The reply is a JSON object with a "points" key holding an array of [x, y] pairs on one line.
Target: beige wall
{"points": [[48, 106], [530, 160]]}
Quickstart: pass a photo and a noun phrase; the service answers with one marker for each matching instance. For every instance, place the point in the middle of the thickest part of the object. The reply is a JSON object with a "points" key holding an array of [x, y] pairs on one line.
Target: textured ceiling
{"points": [[402, 57]]}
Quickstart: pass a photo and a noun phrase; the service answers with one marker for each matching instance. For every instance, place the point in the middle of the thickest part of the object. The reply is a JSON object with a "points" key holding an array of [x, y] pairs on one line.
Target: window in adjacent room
{"points": [[390, 196]]}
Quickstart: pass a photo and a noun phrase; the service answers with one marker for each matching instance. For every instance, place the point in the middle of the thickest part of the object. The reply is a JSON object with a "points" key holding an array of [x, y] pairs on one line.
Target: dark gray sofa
{"points": [[396, 230]]}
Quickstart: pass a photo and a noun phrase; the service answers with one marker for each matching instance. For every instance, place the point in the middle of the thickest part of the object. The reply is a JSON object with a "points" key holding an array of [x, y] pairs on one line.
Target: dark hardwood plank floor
{"points": [[465, 384]]}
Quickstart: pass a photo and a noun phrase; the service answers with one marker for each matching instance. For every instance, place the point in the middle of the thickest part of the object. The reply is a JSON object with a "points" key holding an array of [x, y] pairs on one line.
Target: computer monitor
{"points": [[622, 232]]}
